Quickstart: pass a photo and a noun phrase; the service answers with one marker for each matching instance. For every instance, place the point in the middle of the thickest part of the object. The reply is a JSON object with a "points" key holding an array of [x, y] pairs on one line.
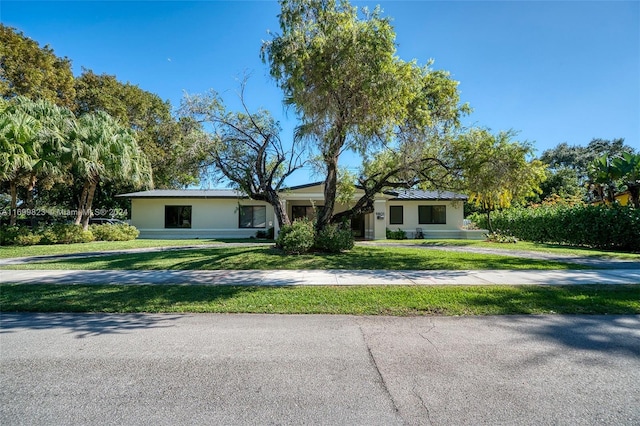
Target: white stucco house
{"points": [[225, 213]]}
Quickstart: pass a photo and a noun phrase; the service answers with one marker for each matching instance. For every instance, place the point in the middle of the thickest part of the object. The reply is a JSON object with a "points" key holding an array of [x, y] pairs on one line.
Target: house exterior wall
{"points": [[218, 216], [450, 229], [210, 218]]}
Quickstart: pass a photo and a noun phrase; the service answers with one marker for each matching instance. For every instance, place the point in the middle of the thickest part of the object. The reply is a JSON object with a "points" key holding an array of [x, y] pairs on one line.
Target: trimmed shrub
{"points": [[66, 233], [296, 238], [268, 234], [114, 232], [50, 234], [499, 237], [334, 239], [396, 235], [18, 236], [604, 227]]}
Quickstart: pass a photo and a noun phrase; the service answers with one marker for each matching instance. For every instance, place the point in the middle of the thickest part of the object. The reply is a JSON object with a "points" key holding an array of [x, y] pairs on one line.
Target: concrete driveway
{"points": [[319, 370]]}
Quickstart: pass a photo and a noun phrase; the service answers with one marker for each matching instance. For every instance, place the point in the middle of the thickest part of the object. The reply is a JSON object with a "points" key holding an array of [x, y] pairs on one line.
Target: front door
{"points": [[357, 226]]}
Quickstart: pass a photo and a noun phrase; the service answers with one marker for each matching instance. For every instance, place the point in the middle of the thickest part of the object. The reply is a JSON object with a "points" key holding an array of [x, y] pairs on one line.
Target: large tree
{"points": [[103, 150], [169, 144], [568, 165], [497, 170], [338, 68], [18, 148], [30, 70], [245, 148]]}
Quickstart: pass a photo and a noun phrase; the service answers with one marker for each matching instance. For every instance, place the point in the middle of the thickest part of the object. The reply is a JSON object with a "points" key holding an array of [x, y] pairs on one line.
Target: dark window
{"points": [[396, 216], [253, 217], [300, 212], [177, 216], [432, 215]]}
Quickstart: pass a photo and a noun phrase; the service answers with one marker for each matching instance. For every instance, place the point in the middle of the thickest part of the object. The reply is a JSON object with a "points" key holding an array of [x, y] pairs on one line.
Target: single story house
{"points": [[225, 213]]}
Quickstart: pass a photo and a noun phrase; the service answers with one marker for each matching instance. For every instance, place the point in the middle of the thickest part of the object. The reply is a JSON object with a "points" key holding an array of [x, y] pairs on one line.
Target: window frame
{"points": [[310, 212], [391, 217], [253, 217], [179, 216], [431, 215]]}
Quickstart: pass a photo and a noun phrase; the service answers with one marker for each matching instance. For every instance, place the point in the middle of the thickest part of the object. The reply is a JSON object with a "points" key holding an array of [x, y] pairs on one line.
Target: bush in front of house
{"points": [[297, 238], [597, 226], [268, 234], [114, 232], [59, 233], [396, 235], [64, 233], [18, 236], [335, 238]]}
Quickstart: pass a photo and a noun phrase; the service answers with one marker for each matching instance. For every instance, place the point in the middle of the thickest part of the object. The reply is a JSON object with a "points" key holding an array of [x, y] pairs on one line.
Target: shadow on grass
{"points": [[367, 258], [108, 299], [570, 299]]}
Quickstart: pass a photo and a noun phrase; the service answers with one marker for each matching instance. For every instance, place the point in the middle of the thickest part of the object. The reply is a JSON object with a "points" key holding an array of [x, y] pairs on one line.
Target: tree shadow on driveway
{"points": [[617, 335]]}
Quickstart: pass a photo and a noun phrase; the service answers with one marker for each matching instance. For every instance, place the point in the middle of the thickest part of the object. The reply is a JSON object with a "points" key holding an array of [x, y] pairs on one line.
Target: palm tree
{"points": [[103, 150], [603, 176], [628, 167], [49, 166], [19, 146]]}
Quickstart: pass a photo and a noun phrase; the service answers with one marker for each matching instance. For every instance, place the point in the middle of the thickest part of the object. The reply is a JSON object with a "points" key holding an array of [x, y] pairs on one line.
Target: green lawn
{"points": [[405, 300], [264, 257], [98, 246], [523, 246]]}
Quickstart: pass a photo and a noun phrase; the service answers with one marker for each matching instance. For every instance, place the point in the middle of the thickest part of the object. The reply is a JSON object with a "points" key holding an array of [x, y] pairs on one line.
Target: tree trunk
{"points": [[330, 190], [29, 202], [14, 203], [281, 212], [86, 214], [82, 202], [489, 221]]}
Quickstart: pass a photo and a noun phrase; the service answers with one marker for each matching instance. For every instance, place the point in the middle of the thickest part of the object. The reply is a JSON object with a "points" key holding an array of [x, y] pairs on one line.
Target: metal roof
{"points": [[185, 193], [399, 194], [417, 194]]}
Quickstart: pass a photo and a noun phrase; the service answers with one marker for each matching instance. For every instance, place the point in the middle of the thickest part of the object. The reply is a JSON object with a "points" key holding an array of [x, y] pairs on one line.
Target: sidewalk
{"points": [[324, 277]]}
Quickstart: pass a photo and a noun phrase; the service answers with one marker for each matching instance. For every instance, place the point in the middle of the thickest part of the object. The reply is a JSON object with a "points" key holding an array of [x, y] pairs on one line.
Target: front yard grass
{"points": [[370, 300], [263, 257], [102, 246], [522, 246]]}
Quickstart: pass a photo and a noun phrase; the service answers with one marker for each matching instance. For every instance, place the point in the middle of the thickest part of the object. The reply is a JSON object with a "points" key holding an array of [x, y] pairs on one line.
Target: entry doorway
{"points": [[357, 227]]}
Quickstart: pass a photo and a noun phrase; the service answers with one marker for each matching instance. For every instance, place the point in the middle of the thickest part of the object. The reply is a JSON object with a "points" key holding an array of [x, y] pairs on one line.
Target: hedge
{"points": [[604, 227], [64, 233]]}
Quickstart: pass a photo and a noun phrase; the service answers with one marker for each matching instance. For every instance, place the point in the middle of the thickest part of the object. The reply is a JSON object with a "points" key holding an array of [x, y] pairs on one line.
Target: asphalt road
{"points": [[319, 370]]}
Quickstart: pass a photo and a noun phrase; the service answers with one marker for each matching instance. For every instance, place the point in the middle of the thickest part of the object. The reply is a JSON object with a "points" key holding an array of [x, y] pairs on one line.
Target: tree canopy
{"points": [[168, 143], [497, 171], [44, 144], [33, 71], [568, 165], [338, 69], [245, 148]]}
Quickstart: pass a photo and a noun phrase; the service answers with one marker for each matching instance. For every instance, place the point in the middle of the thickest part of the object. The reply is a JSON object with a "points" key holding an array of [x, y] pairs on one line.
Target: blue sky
{"points": [[554, 71]]}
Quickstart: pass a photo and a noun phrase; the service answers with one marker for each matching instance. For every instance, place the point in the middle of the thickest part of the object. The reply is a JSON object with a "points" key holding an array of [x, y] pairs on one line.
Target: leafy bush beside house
{"points": [[64, 233], [301, 237], [114, 232], [604, 227]]}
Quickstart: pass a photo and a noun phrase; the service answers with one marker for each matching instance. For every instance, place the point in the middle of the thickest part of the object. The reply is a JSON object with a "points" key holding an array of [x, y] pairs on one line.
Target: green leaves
{"points": [[496, 170], [338, 67], [33, 71]]}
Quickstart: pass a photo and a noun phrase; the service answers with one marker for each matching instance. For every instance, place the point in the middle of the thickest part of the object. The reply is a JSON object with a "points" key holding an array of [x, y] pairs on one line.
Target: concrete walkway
{"points": [[611, 271], [324, 277]]}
